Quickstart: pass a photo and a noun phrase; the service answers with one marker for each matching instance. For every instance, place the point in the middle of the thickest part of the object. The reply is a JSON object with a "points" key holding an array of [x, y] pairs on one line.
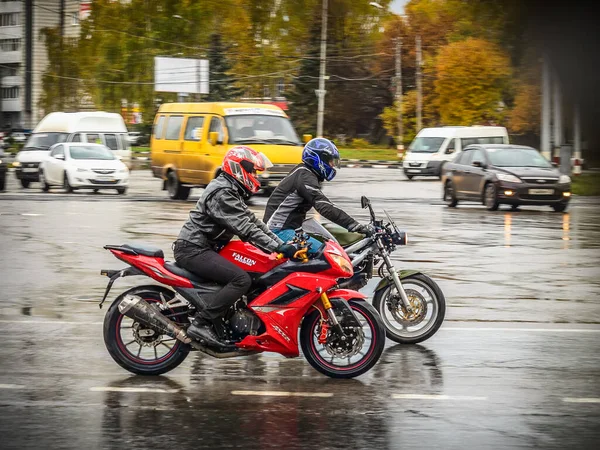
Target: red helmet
{"points": [[242, 163]]}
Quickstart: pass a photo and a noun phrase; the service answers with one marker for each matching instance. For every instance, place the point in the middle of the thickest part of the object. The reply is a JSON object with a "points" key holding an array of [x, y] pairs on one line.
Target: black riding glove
{"points": [[368, 230], [287, 250]]}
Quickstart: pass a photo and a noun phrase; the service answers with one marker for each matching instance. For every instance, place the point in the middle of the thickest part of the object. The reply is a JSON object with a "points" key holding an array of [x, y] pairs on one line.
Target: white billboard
{"points": [[181, 75]]}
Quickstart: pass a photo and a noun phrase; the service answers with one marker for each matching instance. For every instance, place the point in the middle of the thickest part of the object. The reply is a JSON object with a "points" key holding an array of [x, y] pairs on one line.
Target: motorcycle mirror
{"points": [[364, 202]]}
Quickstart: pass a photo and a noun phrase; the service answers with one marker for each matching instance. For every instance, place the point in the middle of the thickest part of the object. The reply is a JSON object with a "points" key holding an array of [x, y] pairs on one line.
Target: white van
{"points": [[94, 127], [432, 147]]}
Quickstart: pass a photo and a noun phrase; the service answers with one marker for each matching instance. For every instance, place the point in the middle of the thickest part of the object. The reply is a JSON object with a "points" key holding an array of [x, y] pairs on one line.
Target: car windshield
{"points": [[43, 141], [89, 152], [260, 129], [517, 157], [426, 144]]}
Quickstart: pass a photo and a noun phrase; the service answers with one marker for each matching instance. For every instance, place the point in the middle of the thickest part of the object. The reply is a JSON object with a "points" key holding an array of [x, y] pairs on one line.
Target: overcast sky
{"points": [[397, 6]]}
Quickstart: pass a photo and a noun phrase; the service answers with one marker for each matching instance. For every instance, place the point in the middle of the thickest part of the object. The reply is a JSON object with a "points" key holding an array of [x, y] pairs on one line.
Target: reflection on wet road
{"points": [[515, 365]]}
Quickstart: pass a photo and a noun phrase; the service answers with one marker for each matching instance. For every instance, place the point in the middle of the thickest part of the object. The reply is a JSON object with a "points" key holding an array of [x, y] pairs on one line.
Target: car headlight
{"points": [[563, 179], [508, 177], [16, 164], [81, 169]]}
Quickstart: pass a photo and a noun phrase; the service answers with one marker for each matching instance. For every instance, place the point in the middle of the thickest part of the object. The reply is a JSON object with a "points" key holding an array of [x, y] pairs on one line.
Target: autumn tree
{"points": [[472, 78]]}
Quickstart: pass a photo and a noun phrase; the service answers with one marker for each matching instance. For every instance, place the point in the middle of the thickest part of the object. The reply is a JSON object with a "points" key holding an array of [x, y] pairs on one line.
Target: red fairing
{"points": [[345, 294], [332, 250], [281, 308], [154, 268], [249, 258]]}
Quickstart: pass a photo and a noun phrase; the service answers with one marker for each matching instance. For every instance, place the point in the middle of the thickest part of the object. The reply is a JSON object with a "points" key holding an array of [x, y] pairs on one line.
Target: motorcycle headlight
{"points": [[341, 262], [508, 177], [563, 179]]}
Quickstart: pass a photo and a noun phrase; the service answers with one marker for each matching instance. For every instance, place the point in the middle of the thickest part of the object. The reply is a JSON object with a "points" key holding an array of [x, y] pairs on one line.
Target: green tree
{"points": [[472, 78], [222, 87]]}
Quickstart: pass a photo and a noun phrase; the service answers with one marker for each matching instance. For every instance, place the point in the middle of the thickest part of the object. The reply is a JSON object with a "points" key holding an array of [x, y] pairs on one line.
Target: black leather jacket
{"points": [[295, 195], [221, 213]]}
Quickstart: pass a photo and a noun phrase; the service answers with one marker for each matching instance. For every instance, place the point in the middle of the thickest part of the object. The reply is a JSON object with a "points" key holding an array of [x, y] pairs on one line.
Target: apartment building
{"points": [[23, 56]]}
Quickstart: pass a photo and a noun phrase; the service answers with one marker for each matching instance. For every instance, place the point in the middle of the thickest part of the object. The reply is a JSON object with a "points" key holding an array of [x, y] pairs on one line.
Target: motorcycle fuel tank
{"points": [[249, 258]]}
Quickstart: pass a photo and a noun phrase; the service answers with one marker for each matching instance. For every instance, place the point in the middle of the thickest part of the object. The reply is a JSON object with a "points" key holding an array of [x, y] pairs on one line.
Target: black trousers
{"points": [[208, 264]]}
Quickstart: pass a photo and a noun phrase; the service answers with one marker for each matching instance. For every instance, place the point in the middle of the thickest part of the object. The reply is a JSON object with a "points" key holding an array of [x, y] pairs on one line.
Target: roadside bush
{"points": [[359, 143]]}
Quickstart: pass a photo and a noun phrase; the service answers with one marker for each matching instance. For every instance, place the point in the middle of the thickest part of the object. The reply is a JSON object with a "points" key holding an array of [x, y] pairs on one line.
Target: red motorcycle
{"points": [[341, 334]]}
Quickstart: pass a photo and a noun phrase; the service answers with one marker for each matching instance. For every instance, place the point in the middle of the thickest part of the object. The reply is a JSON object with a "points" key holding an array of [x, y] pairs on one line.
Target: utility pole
{"points": [[419, 87], [557, 98], [321, 91], [398, 42], [61, 90], [545, 128]]}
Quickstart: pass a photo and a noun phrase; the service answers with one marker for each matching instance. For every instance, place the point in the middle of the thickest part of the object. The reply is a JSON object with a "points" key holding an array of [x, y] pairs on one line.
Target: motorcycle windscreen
{"points": [[318, 231]]}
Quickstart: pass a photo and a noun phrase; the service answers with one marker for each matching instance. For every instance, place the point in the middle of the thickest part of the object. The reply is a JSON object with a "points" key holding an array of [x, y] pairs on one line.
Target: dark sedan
{"points": [[505, 174]]}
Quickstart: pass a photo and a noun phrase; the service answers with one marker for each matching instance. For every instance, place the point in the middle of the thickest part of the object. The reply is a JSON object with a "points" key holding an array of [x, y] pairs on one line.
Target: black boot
{"points": [[204, 332]]}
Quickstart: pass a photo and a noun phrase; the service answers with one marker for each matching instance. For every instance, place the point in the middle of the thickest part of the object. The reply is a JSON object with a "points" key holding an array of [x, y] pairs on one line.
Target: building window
{"points": [[9, 19], [10, 92], [75, 19], [10, 45]]}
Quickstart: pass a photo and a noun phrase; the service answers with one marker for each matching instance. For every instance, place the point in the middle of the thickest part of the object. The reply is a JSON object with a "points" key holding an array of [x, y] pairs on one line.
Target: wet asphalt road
{"points": [[516, 364]]}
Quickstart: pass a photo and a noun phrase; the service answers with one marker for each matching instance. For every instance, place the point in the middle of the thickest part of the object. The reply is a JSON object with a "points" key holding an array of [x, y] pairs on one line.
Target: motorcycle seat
{"points": [[144, 249], [172, 267]]}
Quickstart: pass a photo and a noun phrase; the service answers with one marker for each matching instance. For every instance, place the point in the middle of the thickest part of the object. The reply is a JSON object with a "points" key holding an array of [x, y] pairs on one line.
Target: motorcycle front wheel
{"points": [[139, 349], [428, 304], [344, 359]]}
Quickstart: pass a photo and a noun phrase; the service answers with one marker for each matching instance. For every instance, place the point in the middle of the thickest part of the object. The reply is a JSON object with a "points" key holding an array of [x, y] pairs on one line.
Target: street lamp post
{"points": [[321, 91]]}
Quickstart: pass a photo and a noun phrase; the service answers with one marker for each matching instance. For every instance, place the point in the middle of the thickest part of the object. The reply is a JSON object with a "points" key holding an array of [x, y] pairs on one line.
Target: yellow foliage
{"points": [[472, 76], [525, 116]]}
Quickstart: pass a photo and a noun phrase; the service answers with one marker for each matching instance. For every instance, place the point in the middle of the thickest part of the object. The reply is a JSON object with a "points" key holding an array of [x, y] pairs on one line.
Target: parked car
{"points": [[505, 174], [77, 165], [433, 147], [92, 127], [134, 137]]}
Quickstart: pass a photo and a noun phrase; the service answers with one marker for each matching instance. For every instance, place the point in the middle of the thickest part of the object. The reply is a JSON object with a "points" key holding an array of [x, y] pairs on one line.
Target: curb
{"points": [[371, 164]]}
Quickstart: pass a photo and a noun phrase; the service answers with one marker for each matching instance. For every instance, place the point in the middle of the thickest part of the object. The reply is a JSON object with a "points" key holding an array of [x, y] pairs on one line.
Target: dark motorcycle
{"points": [[410, 303]]}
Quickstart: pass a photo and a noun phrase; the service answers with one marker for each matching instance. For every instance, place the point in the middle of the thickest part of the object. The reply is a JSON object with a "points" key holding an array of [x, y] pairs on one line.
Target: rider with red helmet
{"points": [[220, 214]]}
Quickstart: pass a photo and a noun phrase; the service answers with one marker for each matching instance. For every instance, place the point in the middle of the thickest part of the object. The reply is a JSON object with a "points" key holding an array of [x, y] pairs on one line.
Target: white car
{"points": [[133, 137], [76, 165]]}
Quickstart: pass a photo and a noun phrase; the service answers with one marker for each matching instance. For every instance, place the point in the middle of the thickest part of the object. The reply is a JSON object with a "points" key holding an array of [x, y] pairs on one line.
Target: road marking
{"points": [[11, 386], [50, 322], [542, 330], [581, 400], [132, 389], [283, 394], [435, 397]]}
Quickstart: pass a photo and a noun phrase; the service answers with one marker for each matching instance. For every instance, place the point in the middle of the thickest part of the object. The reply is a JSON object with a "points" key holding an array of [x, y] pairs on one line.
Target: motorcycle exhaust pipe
{"points": [[138, 309]]}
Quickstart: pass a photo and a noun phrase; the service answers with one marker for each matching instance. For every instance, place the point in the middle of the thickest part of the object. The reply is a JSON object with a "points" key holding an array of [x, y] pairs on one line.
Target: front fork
{"points": [[392, 271], [331, 314]]}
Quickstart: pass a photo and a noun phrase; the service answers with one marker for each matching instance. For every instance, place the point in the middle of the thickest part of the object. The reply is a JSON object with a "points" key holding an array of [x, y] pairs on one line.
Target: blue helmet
{"points": [[322, 156]]}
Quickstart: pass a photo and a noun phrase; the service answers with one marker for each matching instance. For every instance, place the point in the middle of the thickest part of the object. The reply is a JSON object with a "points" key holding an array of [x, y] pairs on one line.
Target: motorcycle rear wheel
{"points": [[318, 356], [416, 287], [125, 344]]}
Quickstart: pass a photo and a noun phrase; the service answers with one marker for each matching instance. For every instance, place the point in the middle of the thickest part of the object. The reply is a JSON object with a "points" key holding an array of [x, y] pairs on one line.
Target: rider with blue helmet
{"points": [[300, 191]]}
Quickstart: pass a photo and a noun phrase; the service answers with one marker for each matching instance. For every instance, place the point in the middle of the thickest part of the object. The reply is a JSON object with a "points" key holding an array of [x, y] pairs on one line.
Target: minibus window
{"points": [[173, 128], [111, 141], [158, 128], [193, 129]]}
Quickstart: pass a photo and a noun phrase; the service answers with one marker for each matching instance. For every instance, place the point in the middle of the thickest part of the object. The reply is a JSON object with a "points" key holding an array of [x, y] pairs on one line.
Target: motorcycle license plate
{"points": [[541, 191]]}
